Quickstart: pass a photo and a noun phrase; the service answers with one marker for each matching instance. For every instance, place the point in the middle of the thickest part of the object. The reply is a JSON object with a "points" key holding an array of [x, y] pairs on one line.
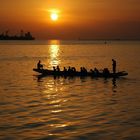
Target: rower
{"points": [[73, 69], [57, 69], [114, 65], [54, 69], [96, 71], [106, 72], [65, 70], [39, 65]]}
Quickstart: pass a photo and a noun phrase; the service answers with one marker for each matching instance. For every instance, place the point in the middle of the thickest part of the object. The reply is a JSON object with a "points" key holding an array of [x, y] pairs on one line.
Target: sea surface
{"points": [[72, 108]]}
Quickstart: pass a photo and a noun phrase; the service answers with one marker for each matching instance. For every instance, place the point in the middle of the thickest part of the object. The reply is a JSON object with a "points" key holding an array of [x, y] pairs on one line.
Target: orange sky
{"points": [[85, 19]]}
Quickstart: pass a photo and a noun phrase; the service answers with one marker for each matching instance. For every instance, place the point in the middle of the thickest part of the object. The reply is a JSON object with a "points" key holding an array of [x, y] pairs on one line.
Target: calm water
{"points": [[72, 108]]}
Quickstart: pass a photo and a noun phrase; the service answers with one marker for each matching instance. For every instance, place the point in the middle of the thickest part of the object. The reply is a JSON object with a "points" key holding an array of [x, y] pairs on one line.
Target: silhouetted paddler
{"points": [[96, 71], [106, 72], [65, 70], [114, 65], [58, 69], [39, 65], [73, 69], [54, 69]]}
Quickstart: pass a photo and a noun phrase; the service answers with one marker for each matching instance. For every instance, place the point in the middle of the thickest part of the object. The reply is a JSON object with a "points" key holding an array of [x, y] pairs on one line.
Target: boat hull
{"points": [[46, 72]]}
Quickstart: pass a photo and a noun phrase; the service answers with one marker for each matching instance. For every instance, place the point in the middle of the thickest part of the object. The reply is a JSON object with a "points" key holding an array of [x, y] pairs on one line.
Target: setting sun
{"points": [[54, 16]]}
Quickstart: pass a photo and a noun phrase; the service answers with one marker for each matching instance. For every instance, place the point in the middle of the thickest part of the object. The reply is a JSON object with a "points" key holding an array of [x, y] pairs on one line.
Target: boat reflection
{"points": [[82, 78], [114, 85], [54, 52], [114, 82], [63, 102]]}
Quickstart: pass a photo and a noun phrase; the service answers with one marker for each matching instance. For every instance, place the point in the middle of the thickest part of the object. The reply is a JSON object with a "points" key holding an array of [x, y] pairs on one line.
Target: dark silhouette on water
{"points": [[65, 70], [39, 65], [83, 71], [22, 36], [106, 72], [114, 65], [96, 71], [57, 69], [54, 69], [114, 82]]}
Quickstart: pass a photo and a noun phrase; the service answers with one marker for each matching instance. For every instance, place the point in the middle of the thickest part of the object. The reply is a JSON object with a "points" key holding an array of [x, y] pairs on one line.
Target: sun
{"points": [[54, 16]]}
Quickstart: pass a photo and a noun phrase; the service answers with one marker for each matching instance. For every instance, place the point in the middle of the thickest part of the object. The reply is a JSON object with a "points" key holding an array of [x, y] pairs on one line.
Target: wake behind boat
{"points": [[47, 72]]}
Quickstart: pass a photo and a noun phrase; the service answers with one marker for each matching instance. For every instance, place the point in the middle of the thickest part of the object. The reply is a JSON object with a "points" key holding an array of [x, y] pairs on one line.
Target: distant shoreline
{"points": [[64, 42]]}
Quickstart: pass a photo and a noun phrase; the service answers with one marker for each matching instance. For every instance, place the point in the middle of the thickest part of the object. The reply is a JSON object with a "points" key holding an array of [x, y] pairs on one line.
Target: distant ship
{"points": [[22, 36]]}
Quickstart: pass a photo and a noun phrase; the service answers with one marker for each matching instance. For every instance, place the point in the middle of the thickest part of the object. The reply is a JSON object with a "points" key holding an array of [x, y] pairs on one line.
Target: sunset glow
{"points": [[54, 16], [81, 19]]}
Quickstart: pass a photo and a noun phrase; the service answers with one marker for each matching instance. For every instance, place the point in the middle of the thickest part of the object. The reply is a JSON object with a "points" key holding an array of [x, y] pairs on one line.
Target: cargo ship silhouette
{"points": [[22, 36]]}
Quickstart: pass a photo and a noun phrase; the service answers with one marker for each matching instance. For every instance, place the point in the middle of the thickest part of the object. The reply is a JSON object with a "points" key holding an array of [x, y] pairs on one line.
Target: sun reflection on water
{"points": [[54, 50], [54, 101]]}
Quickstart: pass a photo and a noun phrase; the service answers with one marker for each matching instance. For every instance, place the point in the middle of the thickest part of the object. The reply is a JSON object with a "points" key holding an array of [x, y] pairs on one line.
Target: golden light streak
{"points": [[54, 53]]}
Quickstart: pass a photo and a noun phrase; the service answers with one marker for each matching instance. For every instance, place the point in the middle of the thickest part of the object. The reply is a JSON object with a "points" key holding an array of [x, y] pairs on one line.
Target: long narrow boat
{"points": [[46, 72]]}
